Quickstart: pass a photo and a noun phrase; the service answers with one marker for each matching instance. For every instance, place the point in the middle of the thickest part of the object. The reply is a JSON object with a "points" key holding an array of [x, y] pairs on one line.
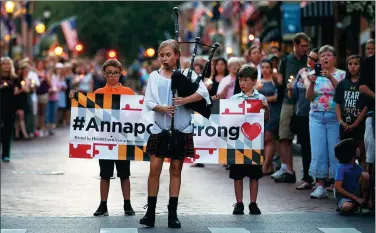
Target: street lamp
{"points": [[58, 51], [9, 8], [40, 28], [46, 15], [150, 52]]}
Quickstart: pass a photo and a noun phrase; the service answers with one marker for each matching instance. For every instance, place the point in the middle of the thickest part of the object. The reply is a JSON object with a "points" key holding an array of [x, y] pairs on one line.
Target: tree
{"points": [[123, 26], [365, 8]]}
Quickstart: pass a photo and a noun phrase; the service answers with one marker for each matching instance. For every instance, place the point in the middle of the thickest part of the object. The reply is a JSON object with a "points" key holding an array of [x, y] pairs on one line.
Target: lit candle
{"points": [[82, 76], [32, 83], [275, 71], [23, 83], [54, 88], [291, 78], [5, 84]]}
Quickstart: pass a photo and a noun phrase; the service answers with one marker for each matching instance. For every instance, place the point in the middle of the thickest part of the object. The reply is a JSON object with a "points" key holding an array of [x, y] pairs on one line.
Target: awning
{"points": [[315, 13]]}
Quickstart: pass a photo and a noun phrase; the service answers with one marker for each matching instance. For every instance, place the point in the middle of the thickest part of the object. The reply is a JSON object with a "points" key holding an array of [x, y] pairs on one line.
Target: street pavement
{"points": [[42, 190]]}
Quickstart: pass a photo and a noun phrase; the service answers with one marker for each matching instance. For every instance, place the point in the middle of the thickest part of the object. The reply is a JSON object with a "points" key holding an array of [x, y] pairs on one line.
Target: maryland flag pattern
{"points": [[111, 127]]}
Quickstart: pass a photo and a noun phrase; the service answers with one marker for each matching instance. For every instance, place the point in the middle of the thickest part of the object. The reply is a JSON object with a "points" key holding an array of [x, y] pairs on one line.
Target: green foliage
{"points": [[366, 8], [123, 26]]}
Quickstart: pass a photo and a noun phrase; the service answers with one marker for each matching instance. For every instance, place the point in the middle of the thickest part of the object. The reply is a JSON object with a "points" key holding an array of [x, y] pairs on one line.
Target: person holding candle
{"points": [[300, 122], [268, 88], [7, 110], [290, 65], [52, 106], [22, 104]]}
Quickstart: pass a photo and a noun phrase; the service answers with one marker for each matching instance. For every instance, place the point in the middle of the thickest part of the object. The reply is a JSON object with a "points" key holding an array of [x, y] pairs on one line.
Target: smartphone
{"points": [[318, 69]]}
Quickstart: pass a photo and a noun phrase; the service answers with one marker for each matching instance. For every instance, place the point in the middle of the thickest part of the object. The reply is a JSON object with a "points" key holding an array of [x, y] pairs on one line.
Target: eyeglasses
{"points": [[110, 74], [313, 59]]}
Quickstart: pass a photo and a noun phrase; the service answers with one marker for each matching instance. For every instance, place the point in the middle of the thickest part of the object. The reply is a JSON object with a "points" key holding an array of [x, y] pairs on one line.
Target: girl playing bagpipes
{"points": [[172, 131]]}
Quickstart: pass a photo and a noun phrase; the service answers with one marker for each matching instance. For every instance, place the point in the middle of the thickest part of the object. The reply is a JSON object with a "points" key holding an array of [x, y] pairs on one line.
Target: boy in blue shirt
{"points": [[351, 182], [247, 77]]}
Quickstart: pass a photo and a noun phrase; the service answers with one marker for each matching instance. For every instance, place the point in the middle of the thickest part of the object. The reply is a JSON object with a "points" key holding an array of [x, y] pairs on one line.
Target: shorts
{"points": [[284, 122], [369, 141], [239, 171], [107, 168], [343, 200], [43, 99]]}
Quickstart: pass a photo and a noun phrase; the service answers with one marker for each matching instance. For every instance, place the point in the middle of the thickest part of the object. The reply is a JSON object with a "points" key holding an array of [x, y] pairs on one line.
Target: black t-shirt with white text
{"points": [[347, 96]]}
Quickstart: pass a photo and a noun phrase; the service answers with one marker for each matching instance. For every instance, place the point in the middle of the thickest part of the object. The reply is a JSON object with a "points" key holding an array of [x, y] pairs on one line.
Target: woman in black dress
{"points": [[7, 109], [22, 101]]}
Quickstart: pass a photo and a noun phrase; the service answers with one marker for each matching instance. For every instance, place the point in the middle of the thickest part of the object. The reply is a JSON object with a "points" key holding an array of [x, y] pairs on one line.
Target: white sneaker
{"points": [[278, 174], [319, 193]]}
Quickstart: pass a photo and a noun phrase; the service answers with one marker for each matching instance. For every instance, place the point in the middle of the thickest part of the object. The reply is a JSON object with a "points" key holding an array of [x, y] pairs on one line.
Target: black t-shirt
{"points": [[347, 95], [367, 77]]}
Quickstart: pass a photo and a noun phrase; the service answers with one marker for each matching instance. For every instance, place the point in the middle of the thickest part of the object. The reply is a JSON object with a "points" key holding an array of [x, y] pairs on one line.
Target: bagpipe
{"points": [[186, 85]]}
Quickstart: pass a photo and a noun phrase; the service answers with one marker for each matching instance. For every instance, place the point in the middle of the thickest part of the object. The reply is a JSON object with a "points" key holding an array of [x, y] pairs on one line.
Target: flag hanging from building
{"points": [[69, 29]]}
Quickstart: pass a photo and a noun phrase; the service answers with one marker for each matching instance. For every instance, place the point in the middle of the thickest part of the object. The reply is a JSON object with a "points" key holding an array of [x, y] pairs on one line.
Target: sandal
{"points": [[304, 186], [269, 172]]}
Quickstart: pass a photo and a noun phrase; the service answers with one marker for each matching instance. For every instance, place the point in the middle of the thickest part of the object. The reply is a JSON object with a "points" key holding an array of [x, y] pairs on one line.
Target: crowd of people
{"points": [[328, 110]]}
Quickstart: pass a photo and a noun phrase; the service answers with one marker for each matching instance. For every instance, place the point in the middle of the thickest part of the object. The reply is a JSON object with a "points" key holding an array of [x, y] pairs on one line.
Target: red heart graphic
{"points": [[251, 131]]}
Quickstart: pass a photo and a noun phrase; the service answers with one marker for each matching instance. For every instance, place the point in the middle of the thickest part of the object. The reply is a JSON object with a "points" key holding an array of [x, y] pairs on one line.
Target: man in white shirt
{"points": [[34, 84]]}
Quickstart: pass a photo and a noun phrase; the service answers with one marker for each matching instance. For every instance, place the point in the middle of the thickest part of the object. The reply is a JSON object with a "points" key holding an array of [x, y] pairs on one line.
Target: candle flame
{"points": [[274, 70], [23, 83]]}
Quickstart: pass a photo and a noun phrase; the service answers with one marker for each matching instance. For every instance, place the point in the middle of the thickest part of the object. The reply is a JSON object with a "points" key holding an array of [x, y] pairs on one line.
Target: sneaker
{"points": [[253, 208], [319, 193], [278, 174], [286, 178], [6, 159], [238, 209], [198, 165], [102, 210], [128, 210]]}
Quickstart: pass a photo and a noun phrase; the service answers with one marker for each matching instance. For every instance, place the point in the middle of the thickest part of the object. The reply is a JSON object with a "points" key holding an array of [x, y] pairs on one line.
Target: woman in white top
{"points": [[158, 107]]}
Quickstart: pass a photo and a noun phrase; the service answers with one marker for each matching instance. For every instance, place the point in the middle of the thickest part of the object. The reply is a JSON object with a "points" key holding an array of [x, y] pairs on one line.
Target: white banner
{"points": [[111, 127]]}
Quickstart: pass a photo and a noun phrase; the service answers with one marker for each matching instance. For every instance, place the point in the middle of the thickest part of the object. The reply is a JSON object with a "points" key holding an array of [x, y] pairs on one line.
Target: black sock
{"points": [[103, 202], [152, 201], [173, 201], [240, 203], [127, 202]]}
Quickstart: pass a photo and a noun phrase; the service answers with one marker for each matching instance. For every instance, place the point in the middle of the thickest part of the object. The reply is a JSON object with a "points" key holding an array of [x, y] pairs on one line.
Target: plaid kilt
{"points": [[186, 147]]}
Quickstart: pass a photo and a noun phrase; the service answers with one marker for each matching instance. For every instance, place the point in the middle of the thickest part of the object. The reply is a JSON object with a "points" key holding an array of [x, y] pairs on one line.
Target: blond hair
{"points": [[174, 45], [12, 69], [234, 60]]}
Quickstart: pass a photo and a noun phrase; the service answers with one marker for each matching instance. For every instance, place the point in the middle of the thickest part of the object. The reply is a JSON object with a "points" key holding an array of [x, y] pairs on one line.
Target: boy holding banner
{"points": [[112, 71], [247, 76]]}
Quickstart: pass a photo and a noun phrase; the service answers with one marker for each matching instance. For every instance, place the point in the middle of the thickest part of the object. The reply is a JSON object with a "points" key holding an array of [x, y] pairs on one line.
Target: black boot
{"points": [[149, 218], [173, 221]]}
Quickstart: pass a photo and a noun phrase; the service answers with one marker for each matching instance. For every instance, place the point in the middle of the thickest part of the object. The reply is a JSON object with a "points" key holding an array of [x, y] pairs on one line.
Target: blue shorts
{"points": [[343, 200]]}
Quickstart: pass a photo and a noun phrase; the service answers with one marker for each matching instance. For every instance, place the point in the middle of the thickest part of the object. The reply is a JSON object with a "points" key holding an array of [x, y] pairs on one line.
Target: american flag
{"points": [[248, 10], [199, 11], [69, 29]]}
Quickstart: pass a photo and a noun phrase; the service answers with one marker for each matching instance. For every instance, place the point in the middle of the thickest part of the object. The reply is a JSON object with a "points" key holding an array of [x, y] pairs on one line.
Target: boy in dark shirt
{"points": [[351, 182]]}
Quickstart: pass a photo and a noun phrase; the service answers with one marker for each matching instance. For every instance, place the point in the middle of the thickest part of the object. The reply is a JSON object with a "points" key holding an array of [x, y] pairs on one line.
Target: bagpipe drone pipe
{"points": [[186, 83]]}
